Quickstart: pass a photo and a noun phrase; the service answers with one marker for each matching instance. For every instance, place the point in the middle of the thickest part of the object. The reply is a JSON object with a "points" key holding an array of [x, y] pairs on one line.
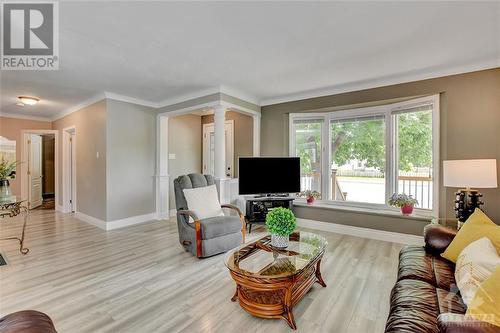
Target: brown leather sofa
{"points": [[425, 297], [28, 321]]}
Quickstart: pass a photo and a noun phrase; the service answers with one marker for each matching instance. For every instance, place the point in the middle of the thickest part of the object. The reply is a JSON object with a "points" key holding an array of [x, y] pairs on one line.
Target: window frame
{"points": [[389, 112]]}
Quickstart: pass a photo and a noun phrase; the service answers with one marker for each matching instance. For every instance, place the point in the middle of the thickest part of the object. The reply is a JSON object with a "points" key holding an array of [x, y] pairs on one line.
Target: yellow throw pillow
{"points": [[477, 226], [484, 305]]}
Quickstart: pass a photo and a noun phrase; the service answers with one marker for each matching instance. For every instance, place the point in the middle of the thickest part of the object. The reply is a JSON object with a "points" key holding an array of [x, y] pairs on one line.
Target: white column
{"points": [[221, 180], [162, 177], [256, 135], [219, 142]]}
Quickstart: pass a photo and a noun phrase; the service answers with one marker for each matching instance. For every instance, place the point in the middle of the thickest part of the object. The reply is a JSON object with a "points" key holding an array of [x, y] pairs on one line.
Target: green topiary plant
{"points": [[281, 221]]}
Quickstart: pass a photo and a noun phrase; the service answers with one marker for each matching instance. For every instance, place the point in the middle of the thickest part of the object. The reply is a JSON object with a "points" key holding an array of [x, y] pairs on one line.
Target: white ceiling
{"points": [[158, 51]]}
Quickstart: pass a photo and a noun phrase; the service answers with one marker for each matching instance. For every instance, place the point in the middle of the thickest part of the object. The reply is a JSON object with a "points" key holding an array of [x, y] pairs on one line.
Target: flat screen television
{"points": [[269, 175]]}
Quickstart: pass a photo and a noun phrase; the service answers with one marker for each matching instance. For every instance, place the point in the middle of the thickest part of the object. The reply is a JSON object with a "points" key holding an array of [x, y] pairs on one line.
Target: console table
{"points": [[9, 208]]}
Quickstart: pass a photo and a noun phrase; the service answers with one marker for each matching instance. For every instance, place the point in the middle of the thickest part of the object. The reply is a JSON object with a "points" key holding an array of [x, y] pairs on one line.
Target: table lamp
{"points": [[468, 174]]}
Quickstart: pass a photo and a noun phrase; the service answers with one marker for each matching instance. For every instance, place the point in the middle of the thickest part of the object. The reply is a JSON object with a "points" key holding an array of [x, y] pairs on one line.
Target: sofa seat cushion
{"points": [[450, 301], [219, 226], [416, 264], [414, 307], [220, 244]]}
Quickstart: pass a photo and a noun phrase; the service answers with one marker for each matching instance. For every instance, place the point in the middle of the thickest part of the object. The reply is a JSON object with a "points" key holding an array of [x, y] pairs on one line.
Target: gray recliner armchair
{"points": [[210, 236]]}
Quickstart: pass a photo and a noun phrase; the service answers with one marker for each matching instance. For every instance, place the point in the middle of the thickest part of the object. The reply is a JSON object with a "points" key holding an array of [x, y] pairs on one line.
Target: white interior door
{"points": [[69, 170], [209, 148], [35, 170]]}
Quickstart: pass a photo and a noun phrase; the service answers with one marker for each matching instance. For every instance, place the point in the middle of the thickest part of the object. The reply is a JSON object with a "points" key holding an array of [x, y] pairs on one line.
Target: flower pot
{"points": [[279, 241], [310, 200], [5, 189], [407, 209]]}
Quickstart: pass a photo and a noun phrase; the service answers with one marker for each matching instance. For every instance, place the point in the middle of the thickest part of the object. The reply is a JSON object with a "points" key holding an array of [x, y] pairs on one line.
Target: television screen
{"points": [[269, 175]]}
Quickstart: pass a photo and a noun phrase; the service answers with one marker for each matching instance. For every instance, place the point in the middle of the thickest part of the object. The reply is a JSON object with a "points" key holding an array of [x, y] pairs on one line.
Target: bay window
{"points": [[307, 136], [359, 157]]}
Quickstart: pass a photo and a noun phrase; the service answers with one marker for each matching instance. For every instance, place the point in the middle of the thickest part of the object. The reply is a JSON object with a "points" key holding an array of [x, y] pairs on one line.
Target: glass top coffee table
{"points": [[271, 281]]}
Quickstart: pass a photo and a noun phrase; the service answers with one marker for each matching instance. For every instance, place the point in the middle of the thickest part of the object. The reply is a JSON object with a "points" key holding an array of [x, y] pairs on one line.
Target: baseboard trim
{"points": [[173, 212], [116, 224], [128, 221], [91, 220], [382, 235]]}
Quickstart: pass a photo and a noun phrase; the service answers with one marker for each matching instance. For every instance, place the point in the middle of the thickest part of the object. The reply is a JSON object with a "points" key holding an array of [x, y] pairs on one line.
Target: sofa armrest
{"points": [[188, 214], [459, 323], [242, 218], [233, 207], [437, 238], [27, 321]]}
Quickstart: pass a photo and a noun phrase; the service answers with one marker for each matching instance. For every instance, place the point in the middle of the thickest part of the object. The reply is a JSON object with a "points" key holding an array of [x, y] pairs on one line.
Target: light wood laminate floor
{"points": [[139, 279]]}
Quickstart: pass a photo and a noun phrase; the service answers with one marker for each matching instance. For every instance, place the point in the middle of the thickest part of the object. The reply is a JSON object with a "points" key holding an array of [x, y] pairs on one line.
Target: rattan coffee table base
{"points": [[275, 298]]}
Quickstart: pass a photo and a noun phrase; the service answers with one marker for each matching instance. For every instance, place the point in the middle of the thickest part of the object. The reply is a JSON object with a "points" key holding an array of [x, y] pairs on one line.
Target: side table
{"points": [[10, 207]]}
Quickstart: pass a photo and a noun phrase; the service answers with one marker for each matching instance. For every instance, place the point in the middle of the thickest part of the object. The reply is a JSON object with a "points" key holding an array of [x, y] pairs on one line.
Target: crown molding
{"points": [[25, 117], [132, 100], [376, 83], [239, 94], [205, 92], [94, 99], [343, 88], [188, 97]]}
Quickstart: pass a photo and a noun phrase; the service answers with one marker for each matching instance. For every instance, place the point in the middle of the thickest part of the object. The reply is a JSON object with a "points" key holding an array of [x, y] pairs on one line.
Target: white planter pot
{"points": [[279, 241]]}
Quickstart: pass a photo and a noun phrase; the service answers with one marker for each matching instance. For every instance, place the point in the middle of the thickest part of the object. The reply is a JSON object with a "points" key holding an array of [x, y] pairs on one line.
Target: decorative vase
{"points": [[310, 200], [407, 209], [5, 189], [279, 241]]}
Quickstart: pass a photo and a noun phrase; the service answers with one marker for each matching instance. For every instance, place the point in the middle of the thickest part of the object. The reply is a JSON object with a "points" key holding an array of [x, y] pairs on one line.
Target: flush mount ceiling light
{"points": [[28, 100]]}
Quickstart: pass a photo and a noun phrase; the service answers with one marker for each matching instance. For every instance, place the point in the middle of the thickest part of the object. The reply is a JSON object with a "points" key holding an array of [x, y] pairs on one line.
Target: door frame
{"points": [[36, 140], [162, 163], [25, 164], [204, 142], [69, 178]]}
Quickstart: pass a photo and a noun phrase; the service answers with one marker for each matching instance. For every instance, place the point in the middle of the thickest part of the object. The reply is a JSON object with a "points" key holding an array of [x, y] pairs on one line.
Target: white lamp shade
{"points": [[470, 173]]}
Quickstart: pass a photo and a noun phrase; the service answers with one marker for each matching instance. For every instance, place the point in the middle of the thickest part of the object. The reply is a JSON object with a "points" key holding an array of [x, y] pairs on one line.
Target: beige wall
{"points": [[184, 140], [131, 156], [243, 135], [90, 125], [470, 125], [11, 129]]}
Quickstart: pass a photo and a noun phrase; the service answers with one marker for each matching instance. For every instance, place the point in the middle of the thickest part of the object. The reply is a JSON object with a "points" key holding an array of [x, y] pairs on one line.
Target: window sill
{"points": [[363, 210]]}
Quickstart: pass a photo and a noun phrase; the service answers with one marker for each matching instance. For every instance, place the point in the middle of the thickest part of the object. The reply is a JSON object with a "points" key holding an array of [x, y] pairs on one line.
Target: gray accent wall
{"points": [[470, 128], [131, 156], [90, 123], [185, 141]]}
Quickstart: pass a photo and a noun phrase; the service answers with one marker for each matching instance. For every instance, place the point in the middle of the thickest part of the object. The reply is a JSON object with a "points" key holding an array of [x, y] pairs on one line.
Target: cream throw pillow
{"points": [[203, 201], [475, 264]]}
